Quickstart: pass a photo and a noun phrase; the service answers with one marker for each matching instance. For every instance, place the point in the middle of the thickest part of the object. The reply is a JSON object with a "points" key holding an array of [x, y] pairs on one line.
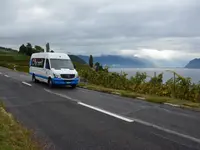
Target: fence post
{"points": [[174, 85], [14, 68], [154, 82]]}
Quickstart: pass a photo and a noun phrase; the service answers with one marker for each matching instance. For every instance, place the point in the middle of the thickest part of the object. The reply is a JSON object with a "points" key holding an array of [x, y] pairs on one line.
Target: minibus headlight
{"points": [[56, 75], [76, 75]]}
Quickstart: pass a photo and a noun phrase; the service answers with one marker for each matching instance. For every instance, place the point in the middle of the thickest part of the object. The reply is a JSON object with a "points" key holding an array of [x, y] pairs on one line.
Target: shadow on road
{"points": [[45, 85]]}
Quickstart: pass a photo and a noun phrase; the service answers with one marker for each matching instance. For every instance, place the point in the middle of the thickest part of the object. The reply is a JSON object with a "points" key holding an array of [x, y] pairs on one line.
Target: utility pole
{"points": [[47, 47]]}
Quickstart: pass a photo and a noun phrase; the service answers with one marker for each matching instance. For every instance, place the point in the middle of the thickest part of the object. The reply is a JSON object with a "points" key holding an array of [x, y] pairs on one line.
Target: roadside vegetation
{"points": [[177, 90], [14, 136], [145, 97], [177, 87], [11, 59]]}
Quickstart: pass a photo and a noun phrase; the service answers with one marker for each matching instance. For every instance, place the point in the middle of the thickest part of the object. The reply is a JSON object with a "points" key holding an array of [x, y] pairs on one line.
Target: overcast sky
{"points": [[155, 29]]}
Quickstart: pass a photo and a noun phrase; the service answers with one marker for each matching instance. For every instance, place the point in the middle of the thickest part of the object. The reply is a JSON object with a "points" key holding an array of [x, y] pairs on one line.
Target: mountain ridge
{"points": [[195, 63], [119, 61]]}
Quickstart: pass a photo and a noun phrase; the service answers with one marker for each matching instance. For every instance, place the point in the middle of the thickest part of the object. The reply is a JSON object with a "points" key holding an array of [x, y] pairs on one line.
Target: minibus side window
{"points": [[37, 62], [47, 64], [33, 62]]}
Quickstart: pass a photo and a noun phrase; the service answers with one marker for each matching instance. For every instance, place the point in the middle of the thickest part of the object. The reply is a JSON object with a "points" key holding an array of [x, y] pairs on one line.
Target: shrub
{"points": [[180, 87]]}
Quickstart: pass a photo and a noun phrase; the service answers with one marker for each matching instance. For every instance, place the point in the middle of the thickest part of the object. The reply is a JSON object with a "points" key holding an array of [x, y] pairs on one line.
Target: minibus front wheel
{"points": [[73, 86]]}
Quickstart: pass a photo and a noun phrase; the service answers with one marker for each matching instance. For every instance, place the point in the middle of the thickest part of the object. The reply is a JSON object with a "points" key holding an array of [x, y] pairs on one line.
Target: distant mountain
{"points": [[195, 63], [120, 61], [77, 59]]}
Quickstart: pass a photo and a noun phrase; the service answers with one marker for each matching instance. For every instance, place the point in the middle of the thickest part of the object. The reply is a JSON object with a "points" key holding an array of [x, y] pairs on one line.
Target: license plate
{"points": [[68, 82]]}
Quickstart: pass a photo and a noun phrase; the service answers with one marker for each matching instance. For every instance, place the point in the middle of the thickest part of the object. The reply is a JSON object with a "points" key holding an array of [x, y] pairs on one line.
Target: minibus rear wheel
{"points": [[50, 83], [34, 79]]}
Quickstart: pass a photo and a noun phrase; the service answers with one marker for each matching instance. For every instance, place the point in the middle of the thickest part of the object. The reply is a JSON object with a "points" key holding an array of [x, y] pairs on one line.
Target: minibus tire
{"points": [[50, 83], [34, 79], [73, 86]]}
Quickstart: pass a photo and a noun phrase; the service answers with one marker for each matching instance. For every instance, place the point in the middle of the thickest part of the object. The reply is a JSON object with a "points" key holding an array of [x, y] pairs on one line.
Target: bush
{"points": [[181, 88]]}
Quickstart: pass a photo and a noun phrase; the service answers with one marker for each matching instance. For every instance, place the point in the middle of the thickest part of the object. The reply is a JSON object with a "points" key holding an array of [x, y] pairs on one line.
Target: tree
{"points": [[38, 48], [98, 67], [91, 61], [47, 47], [97, 64], [101, 68], [22, 49], [29, 49]]}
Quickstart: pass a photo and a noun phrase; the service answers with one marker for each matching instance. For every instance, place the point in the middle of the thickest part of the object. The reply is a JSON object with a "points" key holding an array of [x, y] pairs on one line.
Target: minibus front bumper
{"points": [[60, 81]]}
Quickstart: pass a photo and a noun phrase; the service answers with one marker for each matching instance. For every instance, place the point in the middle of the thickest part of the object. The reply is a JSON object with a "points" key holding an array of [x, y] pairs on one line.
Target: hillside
{"points": [[9, 58], [7, 53], [195, 63], [77, 59], [114, 60]]}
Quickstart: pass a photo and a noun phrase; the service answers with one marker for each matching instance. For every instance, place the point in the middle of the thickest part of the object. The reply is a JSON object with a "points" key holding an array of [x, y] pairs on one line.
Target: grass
{"points": [[13, 136], [149, 98], [10, 59], [156, 99]]}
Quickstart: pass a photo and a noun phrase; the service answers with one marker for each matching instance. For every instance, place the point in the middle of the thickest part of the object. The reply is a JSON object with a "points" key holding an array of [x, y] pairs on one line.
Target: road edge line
{"points": [[173, 105]]}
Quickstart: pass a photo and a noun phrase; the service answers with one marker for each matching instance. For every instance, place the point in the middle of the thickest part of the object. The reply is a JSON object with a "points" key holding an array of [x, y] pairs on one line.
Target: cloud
{"points": [[162, 58], [155, 29]]}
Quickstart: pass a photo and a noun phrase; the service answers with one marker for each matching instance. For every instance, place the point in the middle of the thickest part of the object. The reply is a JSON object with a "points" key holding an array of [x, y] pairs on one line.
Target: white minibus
{"points": [[53, 68]]}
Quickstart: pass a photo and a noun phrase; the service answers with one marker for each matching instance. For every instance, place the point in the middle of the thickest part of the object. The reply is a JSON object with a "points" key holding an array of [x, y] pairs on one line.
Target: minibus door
{"points": [[47, 68]]}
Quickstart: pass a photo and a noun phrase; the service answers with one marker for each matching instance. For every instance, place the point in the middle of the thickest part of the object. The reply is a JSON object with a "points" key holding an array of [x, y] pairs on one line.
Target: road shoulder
{"points": [[13, 135]]}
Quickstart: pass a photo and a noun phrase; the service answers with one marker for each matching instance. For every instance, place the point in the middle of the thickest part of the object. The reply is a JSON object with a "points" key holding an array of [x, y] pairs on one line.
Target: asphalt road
{"points": [[80, 119]]}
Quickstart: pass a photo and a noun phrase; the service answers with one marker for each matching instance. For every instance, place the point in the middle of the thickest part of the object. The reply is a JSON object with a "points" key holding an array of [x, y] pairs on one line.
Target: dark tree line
{"points": [[7, 49], [29, 50]]}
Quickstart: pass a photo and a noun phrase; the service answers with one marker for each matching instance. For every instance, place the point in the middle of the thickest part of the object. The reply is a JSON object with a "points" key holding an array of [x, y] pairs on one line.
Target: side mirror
{"points": [[75, 66]]}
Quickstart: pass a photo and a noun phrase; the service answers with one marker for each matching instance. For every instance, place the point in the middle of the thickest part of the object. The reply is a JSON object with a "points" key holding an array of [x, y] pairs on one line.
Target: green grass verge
{"points": [[14, 136], [149, 98], [11, 59]]}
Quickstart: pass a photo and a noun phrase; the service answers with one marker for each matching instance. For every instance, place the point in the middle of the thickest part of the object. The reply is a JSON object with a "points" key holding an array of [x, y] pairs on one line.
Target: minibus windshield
{"points": [[61, 64]]}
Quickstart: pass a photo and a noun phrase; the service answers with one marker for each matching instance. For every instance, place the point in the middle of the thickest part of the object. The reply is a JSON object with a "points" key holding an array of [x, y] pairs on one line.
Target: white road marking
{"points": [[61, 95], [131, 119], [167, 130], [6, 76], [106, 112], [26, 83]]}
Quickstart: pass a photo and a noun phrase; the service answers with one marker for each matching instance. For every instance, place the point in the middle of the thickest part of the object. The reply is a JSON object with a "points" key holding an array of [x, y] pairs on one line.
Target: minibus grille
{"points": [[67, 76]]}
